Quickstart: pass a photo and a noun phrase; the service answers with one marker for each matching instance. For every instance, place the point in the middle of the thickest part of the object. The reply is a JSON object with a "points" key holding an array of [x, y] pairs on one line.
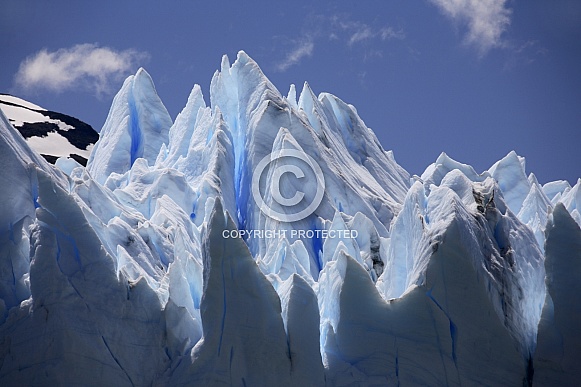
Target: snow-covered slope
{"points": [[49, 133], [190, 253]]}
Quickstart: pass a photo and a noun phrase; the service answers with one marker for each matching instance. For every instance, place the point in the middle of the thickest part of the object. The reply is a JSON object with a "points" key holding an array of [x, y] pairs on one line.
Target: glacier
{"points": [[155, 265]]}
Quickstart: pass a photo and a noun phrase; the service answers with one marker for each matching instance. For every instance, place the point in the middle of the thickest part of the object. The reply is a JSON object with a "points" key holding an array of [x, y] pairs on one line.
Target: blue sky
{"points": [[473, 78]]}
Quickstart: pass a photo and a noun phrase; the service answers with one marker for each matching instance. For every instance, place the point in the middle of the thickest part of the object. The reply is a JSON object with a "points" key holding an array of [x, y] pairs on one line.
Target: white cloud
{"points": [[486, 20], [361, 34], [389, 33], [304, 48], [339, 29], [83, 65]]}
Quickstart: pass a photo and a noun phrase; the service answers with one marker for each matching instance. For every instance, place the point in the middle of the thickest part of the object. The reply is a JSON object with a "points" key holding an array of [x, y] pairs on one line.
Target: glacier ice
{"points": [[243, 342], [559, 344], [144, 267], [136, 127]]}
